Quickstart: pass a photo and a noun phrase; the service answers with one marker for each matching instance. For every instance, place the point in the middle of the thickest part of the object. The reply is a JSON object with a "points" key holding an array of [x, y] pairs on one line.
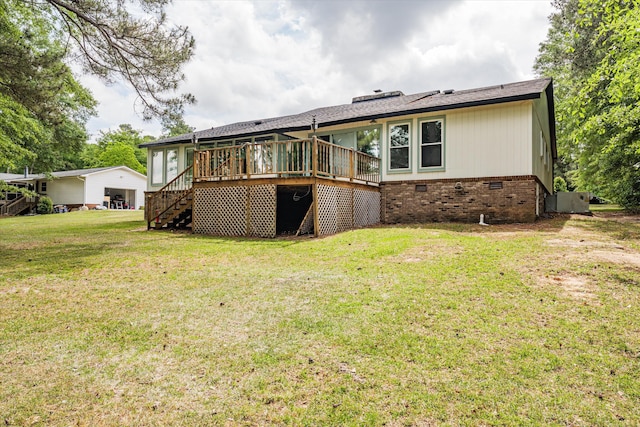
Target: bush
{"points": [[559, 184], [45, 205]]}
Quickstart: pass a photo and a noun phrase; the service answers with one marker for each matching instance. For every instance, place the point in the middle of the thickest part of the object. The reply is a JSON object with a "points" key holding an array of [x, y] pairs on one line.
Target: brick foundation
{"points": [[500, 199]]}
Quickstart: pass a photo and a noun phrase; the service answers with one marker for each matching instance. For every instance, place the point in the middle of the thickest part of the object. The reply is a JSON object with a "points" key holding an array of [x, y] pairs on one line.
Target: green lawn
{"points": [[605, 208], [104, 323]]}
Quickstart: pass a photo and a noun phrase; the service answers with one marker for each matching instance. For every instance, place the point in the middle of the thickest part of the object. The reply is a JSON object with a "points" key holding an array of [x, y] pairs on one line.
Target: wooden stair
{"points": [[179, 216], [171, 207], [17, 206]]}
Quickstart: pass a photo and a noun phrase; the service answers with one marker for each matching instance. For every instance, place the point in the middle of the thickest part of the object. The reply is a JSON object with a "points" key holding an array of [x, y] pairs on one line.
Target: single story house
{"points": [[387, 157], [117, 187]]}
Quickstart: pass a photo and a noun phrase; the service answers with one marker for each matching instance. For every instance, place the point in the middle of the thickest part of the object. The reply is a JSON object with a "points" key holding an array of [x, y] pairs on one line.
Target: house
{"points": [[115, 187], [386, 157]]}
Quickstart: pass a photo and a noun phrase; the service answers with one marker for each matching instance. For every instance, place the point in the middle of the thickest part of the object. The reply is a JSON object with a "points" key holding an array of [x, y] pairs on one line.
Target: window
{"points": [[368, 141], [431, 144], [347, 139], [157, 165], [399, 146], [172, 164], [43, 187], [365, 140], [188, 160]]}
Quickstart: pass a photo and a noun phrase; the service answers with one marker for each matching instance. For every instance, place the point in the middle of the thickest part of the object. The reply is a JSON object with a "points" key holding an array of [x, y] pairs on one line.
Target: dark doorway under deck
{"points": [[293, 203]]}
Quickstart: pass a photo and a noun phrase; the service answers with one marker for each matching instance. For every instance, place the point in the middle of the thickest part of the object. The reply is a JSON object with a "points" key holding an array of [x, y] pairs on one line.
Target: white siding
{"points": [[542, 161], [479, 142], [66, 191], [120, 178]]}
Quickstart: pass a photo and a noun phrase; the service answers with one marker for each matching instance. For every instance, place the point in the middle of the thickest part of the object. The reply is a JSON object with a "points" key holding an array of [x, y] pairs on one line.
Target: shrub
{"points": [[45, 205], [559, 184]]}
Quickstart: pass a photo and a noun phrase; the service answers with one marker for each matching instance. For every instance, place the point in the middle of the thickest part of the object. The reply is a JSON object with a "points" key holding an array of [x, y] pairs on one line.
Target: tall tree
{"points": [[142, 48], [175, 127], [121, 154], [44, 107], [49, 108], [118, 147], [592, 51]]}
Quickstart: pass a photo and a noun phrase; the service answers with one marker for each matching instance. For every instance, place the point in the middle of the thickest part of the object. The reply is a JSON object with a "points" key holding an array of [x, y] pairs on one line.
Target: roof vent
{"points": [[376, 96], [377, 91], [448, 91], [257, 122]]}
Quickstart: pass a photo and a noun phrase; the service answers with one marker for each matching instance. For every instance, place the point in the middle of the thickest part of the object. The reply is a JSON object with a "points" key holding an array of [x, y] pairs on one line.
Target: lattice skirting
{"points": [[251, 210], [341, 209], [307, 223], [235, 211], [262, 211], [366, 207]]}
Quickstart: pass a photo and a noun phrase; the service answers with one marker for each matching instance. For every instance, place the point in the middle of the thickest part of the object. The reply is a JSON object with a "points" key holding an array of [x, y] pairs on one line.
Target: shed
{"points": [[117, 187]]}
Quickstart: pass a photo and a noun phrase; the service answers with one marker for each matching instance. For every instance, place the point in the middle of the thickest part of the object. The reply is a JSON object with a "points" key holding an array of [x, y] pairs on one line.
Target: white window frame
{"points": [[169, 175], [154, 167]]}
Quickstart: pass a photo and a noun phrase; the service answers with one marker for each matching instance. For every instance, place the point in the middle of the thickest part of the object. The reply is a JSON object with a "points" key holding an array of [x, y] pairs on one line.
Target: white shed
{"points": [[116, 187]]}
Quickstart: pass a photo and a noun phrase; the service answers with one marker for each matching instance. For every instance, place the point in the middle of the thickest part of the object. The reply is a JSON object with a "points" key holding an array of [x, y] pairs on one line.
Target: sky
{"points": [[257, 59]]}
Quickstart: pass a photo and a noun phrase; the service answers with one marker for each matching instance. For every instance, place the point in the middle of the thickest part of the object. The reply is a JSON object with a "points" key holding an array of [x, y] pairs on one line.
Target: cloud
{"points": [[258, 59]]}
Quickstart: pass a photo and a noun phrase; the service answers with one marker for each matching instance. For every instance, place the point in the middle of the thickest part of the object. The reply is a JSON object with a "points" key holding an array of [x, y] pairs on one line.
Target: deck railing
{"points": [[303, 157], [158, 202]]}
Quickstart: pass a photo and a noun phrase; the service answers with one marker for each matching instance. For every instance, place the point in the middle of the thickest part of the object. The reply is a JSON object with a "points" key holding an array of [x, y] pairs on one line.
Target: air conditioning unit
{"points": [[568, 202]]}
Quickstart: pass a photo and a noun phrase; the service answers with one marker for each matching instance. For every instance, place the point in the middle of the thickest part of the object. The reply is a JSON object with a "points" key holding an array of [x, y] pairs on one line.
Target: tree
{"points": [[175, 128], [592, 51], [113, 43], [118, 147], [43, 109], [559, 184], [49, 108], [120, 154], [16, 124]]}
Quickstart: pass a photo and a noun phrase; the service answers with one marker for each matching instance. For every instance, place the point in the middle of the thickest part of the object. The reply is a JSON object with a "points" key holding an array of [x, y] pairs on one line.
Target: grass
{"points": [[104, 323], [606, 208]]}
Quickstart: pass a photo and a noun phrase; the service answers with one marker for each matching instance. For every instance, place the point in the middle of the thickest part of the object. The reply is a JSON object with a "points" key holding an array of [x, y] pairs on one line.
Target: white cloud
{"points": [[258, 59]]}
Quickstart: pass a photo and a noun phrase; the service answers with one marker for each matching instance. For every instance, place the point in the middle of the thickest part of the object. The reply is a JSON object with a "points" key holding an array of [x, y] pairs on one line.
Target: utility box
{"points": [[568, 202]]}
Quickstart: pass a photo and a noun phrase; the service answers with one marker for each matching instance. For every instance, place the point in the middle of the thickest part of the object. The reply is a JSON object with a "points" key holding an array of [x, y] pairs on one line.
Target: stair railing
{"points": [[14, 207], [161, 201]]}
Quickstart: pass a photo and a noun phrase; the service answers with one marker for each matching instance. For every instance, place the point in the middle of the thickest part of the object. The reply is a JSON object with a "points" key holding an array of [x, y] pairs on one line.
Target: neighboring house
{"points": [[386, 157], [114, 187]]}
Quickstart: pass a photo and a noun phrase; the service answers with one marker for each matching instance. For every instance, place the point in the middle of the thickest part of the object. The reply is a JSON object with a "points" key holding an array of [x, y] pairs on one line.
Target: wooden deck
{"points": [[294, 162], [286, 159]]}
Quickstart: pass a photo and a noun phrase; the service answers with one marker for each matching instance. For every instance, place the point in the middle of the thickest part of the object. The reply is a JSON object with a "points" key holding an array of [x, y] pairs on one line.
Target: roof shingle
{"points": [[383, 107]]}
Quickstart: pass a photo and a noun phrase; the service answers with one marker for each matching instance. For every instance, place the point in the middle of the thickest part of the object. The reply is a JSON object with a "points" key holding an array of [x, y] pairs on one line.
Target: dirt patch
{"points": [[618, 216], [618, 257], [576, 287], [434, 251]]}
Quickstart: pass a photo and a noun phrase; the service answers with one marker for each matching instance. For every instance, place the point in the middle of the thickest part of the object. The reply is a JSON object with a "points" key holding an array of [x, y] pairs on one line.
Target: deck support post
{"points": [[314, 157], [247, 156], [316, 210], [352, 155], [196, 166], [314, 173]]}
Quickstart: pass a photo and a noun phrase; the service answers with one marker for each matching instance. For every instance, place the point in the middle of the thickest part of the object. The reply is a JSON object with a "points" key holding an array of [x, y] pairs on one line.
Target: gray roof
{"points": [[10, 176], [390, 104], [59, 174]]}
